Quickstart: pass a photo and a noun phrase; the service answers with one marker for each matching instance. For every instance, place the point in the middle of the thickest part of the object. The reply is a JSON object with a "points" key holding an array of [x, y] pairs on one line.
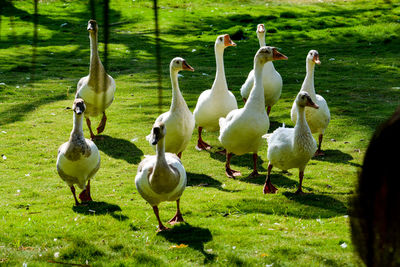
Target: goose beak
{"points": [[260, 28], [316, 59], [186, 66], [78, 110], [278, 56], [228, 41], [310, 103], [156, 136]]}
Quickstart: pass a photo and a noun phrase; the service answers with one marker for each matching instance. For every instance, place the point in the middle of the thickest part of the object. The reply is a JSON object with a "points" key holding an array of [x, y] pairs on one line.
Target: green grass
{"points": [[229, 222]]}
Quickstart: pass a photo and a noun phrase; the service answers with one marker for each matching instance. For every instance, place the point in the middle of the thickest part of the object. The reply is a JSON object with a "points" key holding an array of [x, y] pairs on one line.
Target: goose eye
{"points": [[220, 38], [177, 62]]}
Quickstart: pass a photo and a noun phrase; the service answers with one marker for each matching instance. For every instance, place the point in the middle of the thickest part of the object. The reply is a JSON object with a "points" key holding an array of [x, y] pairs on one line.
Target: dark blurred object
{"points": [[375, 214]]}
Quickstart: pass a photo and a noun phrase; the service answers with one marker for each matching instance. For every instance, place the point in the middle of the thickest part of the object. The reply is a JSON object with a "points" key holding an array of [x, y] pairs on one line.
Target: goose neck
{"points": [[77, 130], [256, 99], [301, 123], [261, 40], [95, 64], [160, 154], [177, 97], [308, 84], [220, 79]]}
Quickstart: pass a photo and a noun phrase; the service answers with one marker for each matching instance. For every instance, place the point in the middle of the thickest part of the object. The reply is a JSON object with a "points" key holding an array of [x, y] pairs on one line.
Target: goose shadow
{"points": [[100, 208], [245, 160], [307, 206], [120, 149], [192, 236], [280, 180], [336, 156], [203, 180]]}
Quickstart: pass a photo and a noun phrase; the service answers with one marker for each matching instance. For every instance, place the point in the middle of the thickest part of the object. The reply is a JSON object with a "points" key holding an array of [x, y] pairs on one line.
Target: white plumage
{"points": [[218, 101], [317, 119], [78, 159], [291, 147], [271, 81], [161, 177], [242, 130], [179, 121]]}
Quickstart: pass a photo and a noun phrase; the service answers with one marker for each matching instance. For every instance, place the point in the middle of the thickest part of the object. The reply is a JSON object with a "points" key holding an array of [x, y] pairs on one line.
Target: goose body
{"points": [[218, 101], [179, 121], [78, 159], [292, 147], [161, 177], [242, 130], [271, 79], [96, 89], [317, 119]]}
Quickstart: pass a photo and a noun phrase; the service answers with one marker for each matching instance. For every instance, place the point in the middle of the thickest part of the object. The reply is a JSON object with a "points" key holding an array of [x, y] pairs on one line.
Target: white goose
{"points": [[161, 177], [292, 147], [318, 119], [272, 80], [242, 130], [179, 121], [218, 101], [98, 88], [78, 159]]}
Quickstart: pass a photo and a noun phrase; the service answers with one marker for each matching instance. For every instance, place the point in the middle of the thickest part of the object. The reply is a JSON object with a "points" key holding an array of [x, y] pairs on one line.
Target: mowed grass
{"points": [[228, 222]]}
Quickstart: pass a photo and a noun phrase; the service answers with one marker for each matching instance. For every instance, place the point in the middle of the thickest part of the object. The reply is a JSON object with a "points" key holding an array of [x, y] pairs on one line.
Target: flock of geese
{"points": [[162, 177]]}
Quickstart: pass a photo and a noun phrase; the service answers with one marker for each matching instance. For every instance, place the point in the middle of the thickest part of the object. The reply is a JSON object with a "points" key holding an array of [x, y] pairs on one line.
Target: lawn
{"points": [[228, 222]]}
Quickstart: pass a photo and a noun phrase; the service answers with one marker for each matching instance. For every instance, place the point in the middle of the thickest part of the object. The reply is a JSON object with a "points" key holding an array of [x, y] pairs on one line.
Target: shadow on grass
{"points": [[100, 208], [337, 156], [243, 161], [202, 180], [194, 237], [120, 149], [300, 206]]}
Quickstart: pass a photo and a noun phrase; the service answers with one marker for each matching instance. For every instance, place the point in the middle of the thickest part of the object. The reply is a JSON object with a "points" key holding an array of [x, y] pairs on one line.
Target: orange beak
{"points": [[278, 56], [228, 41], [186, 66], [316, 59]]}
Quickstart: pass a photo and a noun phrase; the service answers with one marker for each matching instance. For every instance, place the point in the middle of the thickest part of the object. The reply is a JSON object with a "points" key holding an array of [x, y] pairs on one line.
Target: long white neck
{"points": [[308, 84], [77, 130], [220, 80], [177, 98], [261, 39], [301, 127], [96, 66], [256, 99]]}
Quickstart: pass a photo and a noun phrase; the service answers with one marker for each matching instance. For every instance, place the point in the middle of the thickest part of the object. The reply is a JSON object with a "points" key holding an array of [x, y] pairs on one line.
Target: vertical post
{"points": [[92, 9], [158, 56], [106, 37], [35, 41]]}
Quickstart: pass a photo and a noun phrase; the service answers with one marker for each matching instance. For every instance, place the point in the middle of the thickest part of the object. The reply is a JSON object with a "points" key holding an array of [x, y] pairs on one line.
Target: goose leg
{"points": [[84, 196], [299, 190], [201, 145], [178, 216], [102, 124], [268, 186], [319, 151], [228, 171], [89, 198], [73, 193], [89, 124], [161, 227], [268, 110], [255, 172]]}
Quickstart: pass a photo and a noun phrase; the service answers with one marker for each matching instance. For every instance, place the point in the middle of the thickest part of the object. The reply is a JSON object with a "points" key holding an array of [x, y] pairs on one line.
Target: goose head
{"points": [[269, 53], [158, 132], [313, 56], [79, 106], [178, 64], [224, 41], [260, 31], [303, 99], [92, 26]]}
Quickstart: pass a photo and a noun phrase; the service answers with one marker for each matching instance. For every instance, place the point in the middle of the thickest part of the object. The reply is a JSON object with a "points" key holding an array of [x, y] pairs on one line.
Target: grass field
{"points": [[229, 222]]}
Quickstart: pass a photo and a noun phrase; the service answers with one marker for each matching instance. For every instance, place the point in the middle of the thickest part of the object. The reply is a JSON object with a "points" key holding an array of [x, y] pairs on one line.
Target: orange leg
{"points": [[161, 227], [89, 124], [268, 186], [228, 171], [102, 124], [201, 145], [178, 216], [319, 152], [299, 190], [255, 172], [73, 192]]}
